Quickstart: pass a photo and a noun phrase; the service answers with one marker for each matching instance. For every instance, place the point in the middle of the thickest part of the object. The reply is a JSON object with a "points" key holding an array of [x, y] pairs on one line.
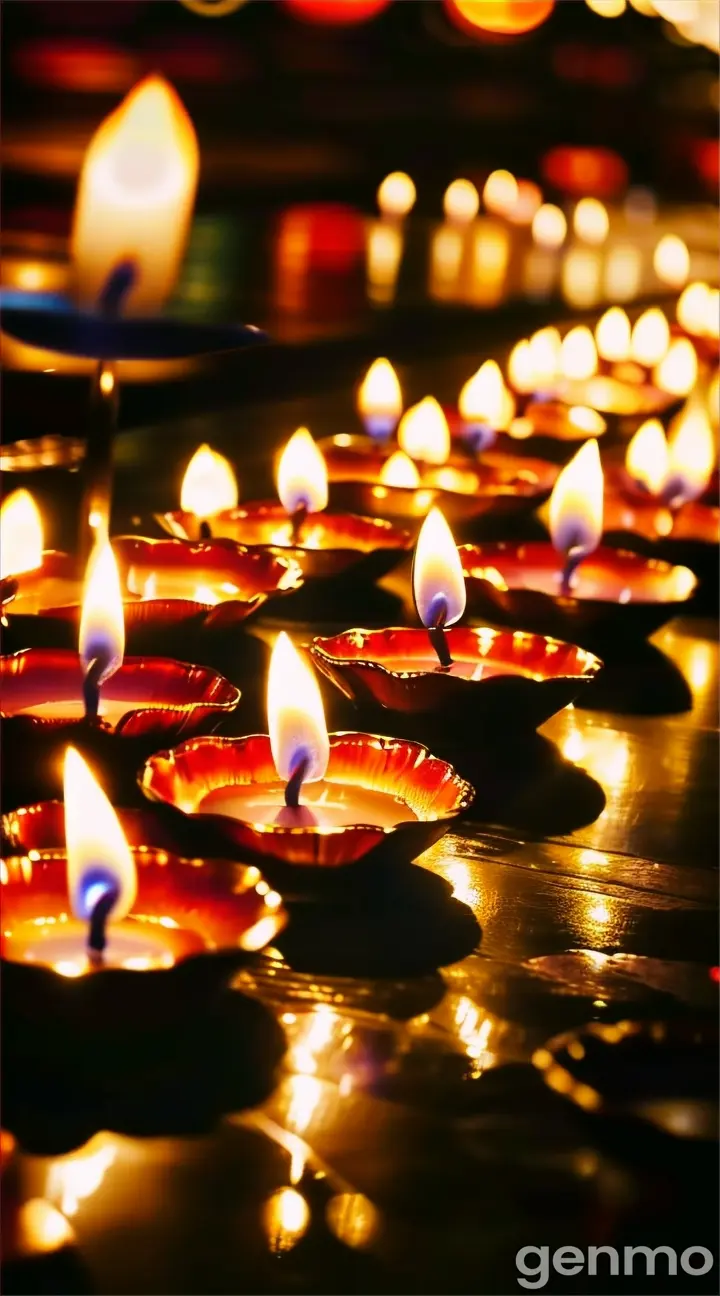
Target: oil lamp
{"points": [[30, 575], [299, 796], [449, 676]]}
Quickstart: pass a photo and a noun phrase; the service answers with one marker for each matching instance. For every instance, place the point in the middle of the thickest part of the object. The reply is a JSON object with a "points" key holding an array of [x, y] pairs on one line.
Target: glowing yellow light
{"points": [[446, 254], [645, 7], [578, 356], [384, 254], [521, 372], [209, 485], [40, 1227], [73, 1179], [485, 398], [396, 195], [576, 503], [527, 203], [296, 719], [590, 221], [549, 226], [587, 420], [622, 272], [423, 432], [94, 839], [580, 277], [379, 394], [461, 202], [399, 470], [646, 460], [712, 318], [438, 580], [102, 625], [650, 337], [612, 335], [136, 195], [286, 1216], [353, 1219], [678, 370], [713, 400], [693, 308], [21, 534], [500, 192], [671, 260], [545, 353], [302, 480], [691, 448], [107, 382], [488, 265], [607, 8]]}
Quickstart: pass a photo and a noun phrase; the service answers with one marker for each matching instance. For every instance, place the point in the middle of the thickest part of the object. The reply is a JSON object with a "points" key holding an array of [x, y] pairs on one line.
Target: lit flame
{"points": [[576, 504], [296, 719], [501, 192], [590, 221], [461, 202], [438, 581], [712, 318], [21, 534], [286, 1216], [398, 470], [650, 337], [612, 335], [520, 367], [302, 480], [549, 226], [396, 195], [587, 420], [691, 448], [73, 1179], [678, 370], [527, 203], [646, 460], [209, 486], [545, 351], [102, 627], [694, 308], [136, 195], [380, 398], [578, 355], [485, 398], [671, 261], [424, 433], [98, 856]]}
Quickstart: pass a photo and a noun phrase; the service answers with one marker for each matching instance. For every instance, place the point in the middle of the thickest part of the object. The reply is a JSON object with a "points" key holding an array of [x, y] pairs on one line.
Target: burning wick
{"points": [[116, 288], [295, 782], [296, 522], [97, 931], [205, 530], [91, 687], [573, 558], [436, 634], [102, 630]]}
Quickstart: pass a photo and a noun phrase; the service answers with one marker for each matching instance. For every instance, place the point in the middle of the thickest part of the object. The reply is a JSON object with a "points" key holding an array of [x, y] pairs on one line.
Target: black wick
{"points": [[91, 688], [294, 783], [436, 635], [572, 560], [205, 530], [97, 935], [296, 522]]}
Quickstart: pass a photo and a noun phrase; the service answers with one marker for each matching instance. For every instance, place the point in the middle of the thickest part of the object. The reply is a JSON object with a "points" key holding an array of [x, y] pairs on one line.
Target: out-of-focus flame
{"points": [[41, 1227], [694, 308], [520, 367], [296, 719], [712, 319], [576, 503], [380, 398], [578, 356], [713, 400], [545, 352], [73, 1179], [590, 221], [671, 260], [302, 480], [678, 370], [503, 17], [98, 857], [461, 202], [383, 256], [21, 534], [607, 8], [587, 420], [102, 625], [650, 337], [646, 460], [396, 194], [424, 433], [500, 192], [549, 226], [612, 335], [438, 581], [136, 195], [580, 277], [691, 447], [485, 398], [399, 470], [622, 272], [209, 485], [527, 203], [286, 1216]]}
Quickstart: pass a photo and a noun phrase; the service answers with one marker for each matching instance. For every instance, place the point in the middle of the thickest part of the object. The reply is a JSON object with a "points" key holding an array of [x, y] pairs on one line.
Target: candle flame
{"points": [[545, 352], [549, 226], [527, 203], [691, 447], [576, 504], [396, 195], [500, 192], [485, 398], [671, 261], [612, 335], [578, 355], [302, 480], [21, 534], [296, 719], [399, 470], [102, 627], [424, 433], [590, 221], [587, 420], [646, 460], [461, 202], [694, 309], [209, 486], [98, 856], [136, 195], [650, 337], [438, 580], [520, 367], [678, 370], [380, 398]]}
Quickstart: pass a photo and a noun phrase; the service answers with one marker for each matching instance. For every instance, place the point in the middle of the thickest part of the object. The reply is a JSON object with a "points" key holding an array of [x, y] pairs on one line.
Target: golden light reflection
{"points": [[399, 470], [484, 398], [474, 1028], [698, 661], [423, 432], [21, 534], [352, 1219], [209, 486], [396, 194], [286, 1216], [500, 192], [590, 221], [71, 1180], [306, 1093], [461, 202], [650, 337], [677, 372], [622, 272], [549, 226], [446, 255], [490, 253], [383, 257], [671, 260], [578, 355], [580, 277], [612, 334]]}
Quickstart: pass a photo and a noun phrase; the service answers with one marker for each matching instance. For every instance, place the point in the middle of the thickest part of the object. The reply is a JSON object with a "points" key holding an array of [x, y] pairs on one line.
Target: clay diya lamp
{"points": [[303, 801], [321, 543], [445, 676], [573, 587], [31, 577], [100, 689]]}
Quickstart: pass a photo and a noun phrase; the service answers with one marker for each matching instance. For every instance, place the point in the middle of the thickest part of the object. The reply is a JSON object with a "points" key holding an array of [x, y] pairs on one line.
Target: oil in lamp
{"points": [[299, 796]]}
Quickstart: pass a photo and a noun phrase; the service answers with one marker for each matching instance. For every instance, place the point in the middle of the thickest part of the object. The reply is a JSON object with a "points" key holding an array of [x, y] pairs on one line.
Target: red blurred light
{"points": [[335, 13], [715, 974], [85, 65], [596, 172], [500, 17], [706, 157]]}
